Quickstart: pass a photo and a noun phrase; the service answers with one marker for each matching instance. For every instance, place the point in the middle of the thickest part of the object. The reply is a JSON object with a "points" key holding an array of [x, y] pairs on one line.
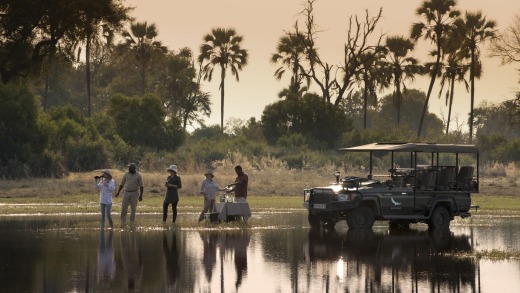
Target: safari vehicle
{"points": [[432, 188]]}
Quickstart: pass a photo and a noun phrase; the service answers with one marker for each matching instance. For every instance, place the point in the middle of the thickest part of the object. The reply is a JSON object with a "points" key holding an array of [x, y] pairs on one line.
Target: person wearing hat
{"points": [[106, 186], [133, 183], [208, 188], [173, 184]]}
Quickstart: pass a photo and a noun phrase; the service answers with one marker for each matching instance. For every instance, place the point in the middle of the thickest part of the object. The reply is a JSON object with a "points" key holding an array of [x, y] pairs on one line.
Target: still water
{"points": [[274, 253]]}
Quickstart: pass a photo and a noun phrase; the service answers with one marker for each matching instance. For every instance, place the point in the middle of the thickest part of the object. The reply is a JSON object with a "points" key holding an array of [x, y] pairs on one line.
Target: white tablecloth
{"points": [[225, 209]]}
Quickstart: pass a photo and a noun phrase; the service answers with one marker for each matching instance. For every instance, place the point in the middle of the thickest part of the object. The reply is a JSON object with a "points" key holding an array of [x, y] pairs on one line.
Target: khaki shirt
{"points": [[132, 182]]}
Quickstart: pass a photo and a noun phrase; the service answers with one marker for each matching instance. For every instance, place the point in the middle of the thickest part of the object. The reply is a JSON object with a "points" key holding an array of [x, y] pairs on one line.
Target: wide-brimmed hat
{"points": [[132, 165], [106, 171], [209, 172], [172, 168]]}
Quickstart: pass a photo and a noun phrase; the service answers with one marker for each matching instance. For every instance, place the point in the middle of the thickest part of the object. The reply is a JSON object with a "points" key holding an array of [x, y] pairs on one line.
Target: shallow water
{"points": [[276, 252]]}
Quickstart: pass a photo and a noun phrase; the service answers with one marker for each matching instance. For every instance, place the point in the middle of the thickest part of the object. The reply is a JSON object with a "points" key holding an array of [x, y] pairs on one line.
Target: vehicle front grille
{"points": [[321, 198]]}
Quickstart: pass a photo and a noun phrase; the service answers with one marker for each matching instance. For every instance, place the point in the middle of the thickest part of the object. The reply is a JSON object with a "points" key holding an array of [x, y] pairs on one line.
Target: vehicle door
{"points": [[397, 201]]}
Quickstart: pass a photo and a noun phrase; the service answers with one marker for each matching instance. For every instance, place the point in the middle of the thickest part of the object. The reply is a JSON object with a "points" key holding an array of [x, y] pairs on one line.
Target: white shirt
{"points": [[209, 187], [106, 189]]}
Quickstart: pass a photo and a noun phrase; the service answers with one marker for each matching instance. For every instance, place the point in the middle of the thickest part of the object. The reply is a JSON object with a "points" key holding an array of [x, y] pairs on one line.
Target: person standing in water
{"points": [[106, 186], [173, 184]]}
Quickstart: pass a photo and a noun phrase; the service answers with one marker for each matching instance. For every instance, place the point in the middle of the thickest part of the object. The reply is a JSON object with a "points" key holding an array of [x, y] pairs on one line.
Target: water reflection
{"points": [[402, 261], [171, 259], [106, 265], [209, 258], [57, 255], [131, 261]]}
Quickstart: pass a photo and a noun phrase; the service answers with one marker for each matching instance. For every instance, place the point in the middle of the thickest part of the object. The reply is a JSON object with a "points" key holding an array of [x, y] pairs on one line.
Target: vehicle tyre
{"points": [[361, 218], [314, 221], [439, 219]]}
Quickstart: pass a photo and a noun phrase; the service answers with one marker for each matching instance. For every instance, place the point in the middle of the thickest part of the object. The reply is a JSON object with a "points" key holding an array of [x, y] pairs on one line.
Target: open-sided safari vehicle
{"points": [[426, 182]]}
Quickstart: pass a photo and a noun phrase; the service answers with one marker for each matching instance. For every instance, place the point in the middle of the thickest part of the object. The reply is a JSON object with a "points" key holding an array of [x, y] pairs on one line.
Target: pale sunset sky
{"points": [[183, 23]]}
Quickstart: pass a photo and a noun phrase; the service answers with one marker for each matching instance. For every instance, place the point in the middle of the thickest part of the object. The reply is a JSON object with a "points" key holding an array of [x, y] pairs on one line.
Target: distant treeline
{"points": [[84, 87]]}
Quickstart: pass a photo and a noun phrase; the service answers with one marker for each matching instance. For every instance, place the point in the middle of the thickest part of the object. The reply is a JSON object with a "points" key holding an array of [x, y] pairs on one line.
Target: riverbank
{"points": [[268, 191]]}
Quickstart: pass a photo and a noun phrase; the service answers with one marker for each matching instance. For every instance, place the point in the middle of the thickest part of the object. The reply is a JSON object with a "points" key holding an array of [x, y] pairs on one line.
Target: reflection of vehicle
{"points": [[407, 260], [432, 193]]}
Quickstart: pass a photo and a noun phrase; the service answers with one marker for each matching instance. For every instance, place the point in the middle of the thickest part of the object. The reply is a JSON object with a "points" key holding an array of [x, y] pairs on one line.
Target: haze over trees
{"points": [[85, 86]]}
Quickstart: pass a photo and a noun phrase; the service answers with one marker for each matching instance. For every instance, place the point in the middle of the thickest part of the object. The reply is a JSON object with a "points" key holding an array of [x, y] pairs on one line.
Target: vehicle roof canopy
{"points": [[414, 147]]}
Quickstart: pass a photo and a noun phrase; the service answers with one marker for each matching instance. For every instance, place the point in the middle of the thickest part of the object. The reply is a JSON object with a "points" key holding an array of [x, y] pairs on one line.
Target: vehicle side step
{"points": [[476, 207]]}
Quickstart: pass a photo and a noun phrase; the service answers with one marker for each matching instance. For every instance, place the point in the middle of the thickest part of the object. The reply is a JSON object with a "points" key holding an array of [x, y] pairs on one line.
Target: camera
{"points": [[97, 177]]}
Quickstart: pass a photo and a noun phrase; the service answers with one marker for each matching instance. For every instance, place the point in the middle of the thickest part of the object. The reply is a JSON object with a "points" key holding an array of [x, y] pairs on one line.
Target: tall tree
{"points": [[101, 18], [222, 48], [437, 17], [290, 52], [182, 94], [507, 45], [33, 29], [452, 70], [141, 40], [399, 67], [474, 30], [335, 81], [369, 76]]}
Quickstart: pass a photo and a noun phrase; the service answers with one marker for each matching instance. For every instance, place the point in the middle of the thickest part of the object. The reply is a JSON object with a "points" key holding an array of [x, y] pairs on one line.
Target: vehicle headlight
{"points": [[346, 197], [343, 197]]}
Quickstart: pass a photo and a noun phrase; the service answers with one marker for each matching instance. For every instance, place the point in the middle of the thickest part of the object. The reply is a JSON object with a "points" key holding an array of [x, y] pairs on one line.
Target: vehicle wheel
{"points": [[439, 219], [398, 225], [361, 218], [314, 221]]}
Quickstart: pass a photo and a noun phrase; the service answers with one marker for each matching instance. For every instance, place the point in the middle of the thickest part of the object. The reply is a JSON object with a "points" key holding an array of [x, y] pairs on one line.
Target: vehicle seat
{"points": [[464, 178], [446, 177]]}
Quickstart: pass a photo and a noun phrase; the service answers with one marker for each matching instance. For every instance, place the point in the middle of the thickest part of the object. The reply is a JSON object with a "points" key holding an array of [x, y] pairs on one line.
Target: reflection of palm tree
{"points": [[171, 256], [437, 16], [221, 48], [474, 29], [106, 264]]}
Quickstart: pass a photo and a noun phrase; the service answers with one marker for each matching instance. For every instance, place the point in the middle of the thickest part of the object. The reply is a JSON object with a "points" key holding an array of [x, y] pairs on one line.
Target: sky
{"points": [[183, 23]]}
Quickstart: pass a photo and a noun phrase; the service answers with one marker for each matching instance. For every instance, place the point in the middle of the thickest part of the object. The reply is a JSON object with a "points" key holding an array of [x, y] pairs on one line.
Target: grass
{"points": [[272, 188]]}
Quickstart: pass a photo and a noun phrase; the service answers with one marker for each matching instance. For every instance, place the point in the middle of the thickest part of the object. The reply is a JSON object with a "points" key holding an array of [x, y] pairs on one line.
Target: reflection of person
{"points": [[106, 268], [209, 259], [240, 185], [173, 184], [240, 242], [208, 188], [171, 256], [132, 181], [132, 262], [106, 186]]}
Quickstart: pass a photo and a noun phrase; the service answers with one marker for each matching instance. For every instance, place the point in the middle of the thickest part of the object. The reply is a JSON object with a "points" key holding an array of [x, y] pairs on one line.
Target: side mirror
{"points": [[337, 174]]}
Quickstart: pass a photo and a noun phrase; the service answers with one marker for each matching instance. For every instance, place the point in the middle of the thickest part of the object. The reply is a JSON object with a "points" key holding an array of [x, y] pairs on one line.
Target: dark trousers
{"points": [[174, 211]]}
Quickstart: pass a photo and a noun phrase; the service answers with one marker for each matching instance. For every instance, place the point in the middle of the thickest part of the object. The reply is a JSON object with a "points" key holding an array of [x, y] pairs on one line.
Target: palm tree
{"points": [[290, 52], [399, 67], [369, 76], [222, 48], [474, 29], [453, 70], [141, 39], [437, 17]]}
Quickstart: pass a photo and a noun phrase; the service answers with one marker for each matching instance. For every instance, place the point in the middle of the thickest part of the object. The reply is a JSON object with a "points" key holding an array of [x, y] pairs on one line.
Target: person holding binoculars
{"points": [[106, 186]]}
